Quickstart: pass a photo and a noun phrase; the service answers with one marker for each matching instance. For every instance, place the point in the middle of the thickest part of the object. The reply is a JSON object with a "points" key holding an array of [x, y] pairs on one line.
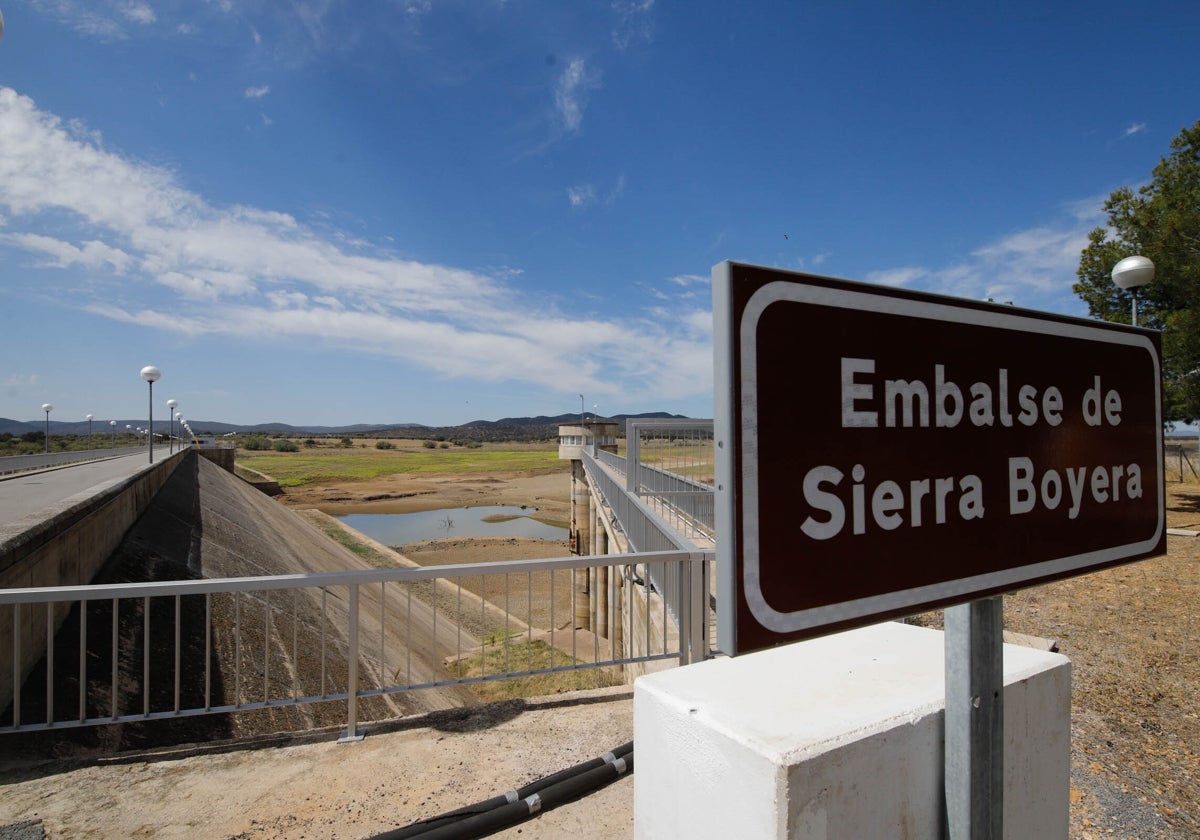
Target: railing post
{"points": [[692, 637], [17, 654], [633, 455], [352, 733]]}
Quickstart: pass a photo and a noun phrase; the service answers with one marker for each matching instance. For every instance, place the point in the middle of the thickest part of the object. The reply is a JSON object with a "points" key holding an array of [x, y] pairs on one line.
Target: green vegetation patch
{"points": [[529, 656], [309, 466], [367, 552]]}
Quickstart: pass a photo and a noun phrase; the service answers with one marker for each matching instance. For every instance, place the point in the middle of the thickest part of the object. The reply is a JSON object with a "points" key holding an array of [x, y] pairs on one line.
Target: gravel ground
{"points": [[1130, 633]]}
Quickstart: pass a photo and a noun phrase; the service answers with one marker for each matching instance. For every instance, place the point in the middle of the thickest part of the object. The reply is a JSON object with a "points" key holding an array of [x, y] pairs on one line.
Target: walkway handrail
{"points": [[645, 529], [362, 626], [683, 589], [20, 463], [203, 586]]}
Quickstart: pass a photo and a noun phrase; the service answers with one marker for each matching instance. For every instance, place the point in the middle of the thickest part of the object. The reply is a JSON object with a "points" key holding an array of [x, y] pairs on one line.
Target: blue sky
{"points": [[342, 211]]}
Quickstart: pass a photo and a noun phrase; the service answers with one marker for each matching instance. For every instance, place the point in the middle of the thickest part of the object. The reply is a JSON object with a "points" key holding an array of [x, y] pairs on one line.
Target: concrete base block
{"points": [[839, 738]]}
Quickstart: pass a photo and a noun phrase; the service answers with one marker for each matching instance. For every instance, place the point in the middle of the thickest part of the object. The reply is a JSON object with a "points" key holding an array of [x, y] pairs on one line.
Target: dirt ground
{"points": [[548, 491], [1130, 633]]}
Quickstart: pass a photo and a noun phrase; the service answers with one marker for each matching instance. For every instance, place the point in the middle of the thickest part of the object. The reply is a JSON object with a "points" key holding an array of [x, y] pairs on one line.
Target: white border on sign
{"points": [[788, 291]]}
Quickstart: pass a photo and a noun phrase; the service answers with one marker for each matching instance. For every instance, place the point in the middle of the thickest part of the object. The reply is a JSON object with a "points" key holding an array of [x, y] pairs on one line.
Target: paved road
{"points": [[32, 494]]}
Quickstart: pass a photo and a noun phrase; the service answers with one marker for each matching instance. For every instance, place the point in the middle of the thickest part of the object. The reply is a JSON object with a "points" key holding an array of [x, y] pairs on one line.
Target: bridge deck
{"points": [[29, 498]]}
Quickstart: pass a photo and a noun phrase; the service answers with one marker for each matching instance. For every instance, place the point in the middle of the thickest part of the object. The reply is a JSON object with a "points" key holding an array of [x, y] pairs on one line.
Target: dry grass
{"points": [[513, 654], [325, 464], [1130, 633]]}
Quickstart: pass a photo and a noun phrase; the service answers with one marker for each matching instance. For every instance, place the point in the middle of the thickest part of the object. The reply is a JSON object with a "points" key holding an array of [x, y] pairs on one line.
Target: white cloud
{"points": [[581, 196], [137, 12], [1041, 258], [1088, 210], [618, 189], [257, 92], [91, 254], [571, 90], [584, 195], [199, 269], [101, 19], [897, 276], [633, 22], [1134, 128], [19, 380], [815, 261], [16, 386], [1034, 268]]}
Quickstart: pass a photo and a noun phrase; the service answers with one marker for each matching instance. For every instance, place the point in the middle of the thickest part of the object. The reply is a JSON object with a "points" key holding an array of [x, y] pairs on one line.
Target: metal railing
{"points": [[671, 463], [148, 651], [643, 528], [20, 463], [653, 522]]}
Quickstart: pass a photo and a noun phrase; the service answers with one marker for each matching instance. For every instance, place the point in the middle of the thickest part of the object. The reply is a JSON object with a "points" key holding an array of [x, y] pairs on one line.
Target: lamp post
{"points": [[113, 423], [1131, 274], [89, 419], [46, 407], [171, 404], [151, 374]]}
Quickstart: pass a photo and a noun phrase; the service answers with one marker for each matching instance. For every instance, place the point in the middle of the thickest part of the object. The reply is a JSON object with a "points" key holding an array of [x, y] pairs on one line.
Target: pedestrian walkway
{"points": [[28, 498]]}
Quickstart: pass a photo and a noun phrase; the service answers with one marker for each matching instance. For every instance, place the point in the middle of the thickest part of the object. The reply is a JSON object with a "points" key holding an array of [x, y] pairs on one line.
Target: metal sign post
{"points": [[975, 720]]}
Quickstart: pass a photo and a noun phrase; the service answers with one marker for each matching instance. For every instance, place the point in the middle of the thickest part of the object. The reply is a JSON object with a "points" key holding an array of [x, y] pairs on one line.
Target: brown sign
{"points": [[883, 452]]}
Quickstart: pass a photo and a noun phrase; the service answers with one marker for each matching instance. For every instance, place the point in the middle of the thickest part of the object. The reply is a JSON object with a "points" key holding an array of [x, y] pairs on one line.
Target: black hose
{"points": [[490, 815]]}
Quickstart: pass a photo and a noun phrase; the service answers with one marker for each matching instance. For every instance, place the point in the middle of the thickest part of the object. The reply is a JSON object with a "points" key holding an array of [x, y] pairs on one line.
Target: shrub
{"points": [[444, 445], [347, 443], [257, 444], [310, 443], [429, 444], [384, 444], [286, 446]]}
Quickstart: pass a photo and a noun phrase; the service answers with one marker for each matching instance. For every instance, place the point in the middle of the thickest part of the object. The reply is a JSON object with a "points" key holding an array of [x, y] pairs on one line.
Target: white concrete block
{"points": [[839, 738]]}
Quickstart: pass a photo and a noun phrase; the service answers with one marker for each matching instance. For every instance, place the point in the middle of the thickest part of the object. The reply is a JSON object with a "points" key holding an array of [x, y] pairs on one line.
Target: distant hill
{"points": [[525, 428], [16, 427], [543, 420]]}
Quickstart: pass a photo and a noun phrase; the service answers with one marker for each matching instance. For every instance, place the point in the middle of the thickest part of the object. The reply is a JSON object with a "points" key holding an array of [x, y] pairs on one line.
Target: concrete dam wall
{"points": [[205, 522]]}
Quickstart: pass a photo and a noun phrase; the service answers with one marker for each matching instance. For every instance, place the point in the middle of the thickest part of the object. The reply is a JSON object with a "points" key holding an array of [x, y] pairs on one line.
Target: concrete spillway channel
{"points": [[207, 523]]}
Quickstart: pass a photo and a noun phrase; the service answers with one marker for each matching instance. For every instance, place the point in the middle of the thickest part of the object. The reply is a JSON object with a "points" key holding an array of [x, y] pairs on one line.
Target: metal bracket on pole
{"points": [[974, 763], [352, 733]]}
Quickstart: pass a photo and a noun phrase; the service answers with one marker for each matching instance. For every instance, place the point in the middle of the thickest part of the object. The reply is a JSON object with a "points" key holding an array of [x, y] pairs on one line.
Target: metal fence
{"points": [[20, 463], [1178, 463], [148, 651], [670, 463], [654, 522]]}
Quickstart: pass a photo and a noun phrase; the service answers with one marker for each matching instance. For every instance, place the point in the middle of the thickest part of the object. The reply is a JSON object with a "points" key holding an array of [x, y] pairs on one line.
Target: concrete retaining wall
{"points": [[839, 738], [223, 456], [67, 548]]}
